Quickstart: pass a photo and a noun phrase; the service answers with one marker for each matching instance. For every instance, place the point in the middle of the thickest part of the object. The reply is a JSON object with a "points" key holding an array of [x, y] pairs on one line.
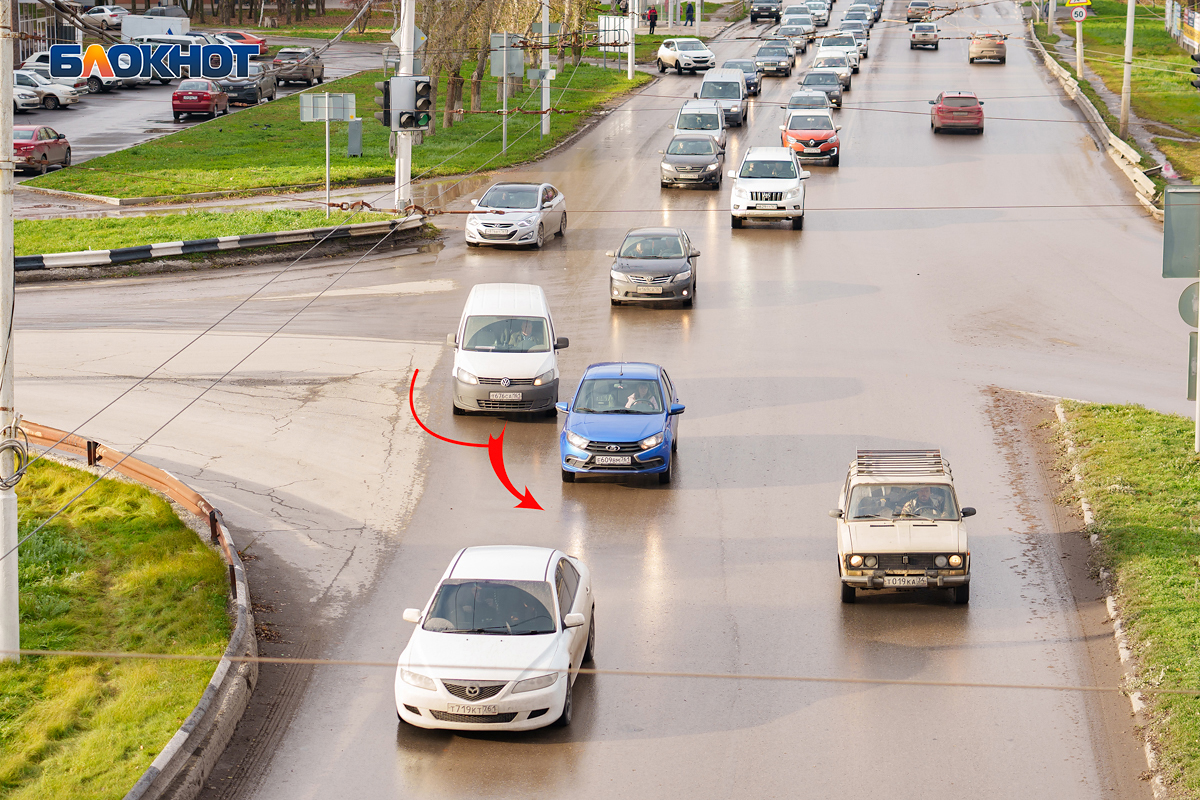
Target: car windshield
{"points": [[638, 245], [768, 169], [619, 396], [691, 147], [839, 41], [724, 90], [918, 4], [820, 79], [828, 62], [855, 15], [23, 136], [690, 46], [506, 334], [960, 102], [810, 122], [36, 78], [772, 52], [510, 197], [193, 86], [802, 21], [289, 55], [492, 607], [790, 30], [744, 66], [690, 121], [808, 101], [902, 500]]}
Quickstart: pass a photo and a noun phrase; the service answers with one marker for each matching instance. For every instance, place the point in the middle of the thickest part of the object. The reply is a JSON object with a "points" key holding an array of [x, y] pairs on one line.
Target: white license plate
{"points": [[905, 581], [767, 206], [190, 97], [474, 711], [812, 150], [504, 395], [648, 289], [608, 461]]}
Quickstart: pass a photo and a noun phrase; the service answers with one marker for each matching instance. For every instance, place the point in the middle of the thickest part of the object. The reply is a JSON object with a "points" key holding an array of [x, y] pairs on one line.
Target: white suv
{"points": [[899, 525], [685, 54], [769, 185]]}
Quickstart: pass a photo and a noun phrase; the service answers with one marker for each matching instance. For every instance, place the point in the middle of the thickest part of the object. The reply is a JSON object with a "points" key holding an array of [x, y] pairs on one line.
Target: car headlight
{"points": [[544, 378], [682, 276], [651, 441], [856, 561], [792, 139], [940, 562], [418, 680], [740, 192], [956, 560], [871, 561], [533, 684], [711, 167], [668, 167], [793, 193], [577, 441], [524, 223], [467, 377], [617, 276]]}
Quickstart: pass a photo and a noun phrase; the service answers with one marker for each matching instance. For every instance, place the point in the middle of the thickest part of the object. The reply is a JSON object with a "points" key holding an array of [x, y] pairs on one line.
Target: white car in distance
{"points": [[685, 54], [499, 644]]}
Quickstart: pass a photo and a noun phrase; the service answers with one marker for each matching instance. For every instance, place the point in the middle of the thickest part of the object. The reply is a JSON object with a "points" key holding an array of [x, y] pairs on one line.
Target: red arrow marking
{"points": [[495, 447]]}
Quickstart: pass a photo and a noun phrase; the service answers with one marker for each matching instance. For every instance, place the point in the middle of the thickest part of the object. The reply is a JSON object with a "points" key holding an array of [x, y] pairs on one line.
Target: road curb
{"points": [[121, 255], [1137, 700]]}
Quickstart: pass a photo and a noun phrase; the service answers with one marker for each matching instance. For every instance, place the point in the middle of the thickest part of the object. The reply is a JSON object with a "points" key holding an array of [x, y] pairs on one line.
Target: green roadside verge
{"points": [[117, 571], [1143, 481], [42, 236], [268, 146]]}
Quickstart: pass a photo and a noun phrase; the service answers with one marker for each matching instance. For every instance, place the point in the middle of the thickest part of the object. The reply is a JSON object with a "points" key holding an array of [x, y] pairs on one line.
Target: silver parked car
{"points": [[517, 213]]}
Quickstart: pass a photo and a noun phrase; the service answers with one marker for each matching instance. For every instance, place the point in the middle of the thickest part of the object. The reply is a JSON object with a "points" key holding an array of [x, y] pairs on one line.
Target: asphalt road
{"points": [[930, 269]]}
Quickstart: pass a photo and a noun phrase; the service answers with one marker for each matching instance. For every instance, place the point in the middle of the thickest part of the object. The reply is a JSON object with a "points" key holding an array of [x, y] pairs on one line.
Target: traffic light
{"points": [[404, 102], [422, 101], [1196, 70], [384, 101]]}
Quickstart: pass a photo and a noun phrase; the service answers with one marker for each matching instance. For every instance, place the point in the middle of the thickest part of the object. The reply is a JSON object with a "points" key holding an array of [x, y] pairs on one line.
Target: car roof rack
{"points": [[899, 462]]}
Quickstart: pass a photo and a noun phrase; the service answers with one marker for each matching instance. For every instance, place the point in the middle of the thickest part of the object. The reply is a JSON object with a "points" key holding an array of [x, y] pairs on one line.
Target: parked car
{"points": [[684, 54], [923, 34], [918, 10], [246, 38], [701, 116], [517, 213], [25, 100], [104, 17], [765, 9], [299, 65], [653, 265], [95, 82], [691, 159], [499, 645], [839, 63], [258, 85], [622, 421], [824, 80], [769, 185], [79, 84], [812, 136], [899, 525], [198, 96], [37, 147], [166, 11], [727, 88], [750, 70], [775, 60], [956, 110], [807, 98], [987, 45], [53, 95], [845, 42]]}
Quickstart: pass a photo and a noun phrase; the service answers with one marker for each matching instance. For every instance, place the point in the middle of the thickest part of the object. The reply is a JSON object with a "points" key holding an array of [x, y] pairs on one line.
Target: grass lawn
{"points": [[268, 145], [645, 49], [117, 571], [38, 236], [378, 29], [1143, 481]]}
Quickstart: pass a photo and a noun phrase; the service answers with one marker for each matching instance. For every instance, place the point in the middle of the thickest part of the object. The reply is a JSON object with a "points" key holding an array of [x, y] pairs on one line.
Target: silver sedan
{"points": [[517, 213]]}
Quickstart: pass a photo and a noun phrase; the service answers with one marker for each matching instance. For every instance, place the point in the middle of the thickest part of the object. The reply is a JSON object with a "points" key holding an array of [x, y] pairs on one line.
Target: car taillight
{"points": [[277, 62], [203, 95]]}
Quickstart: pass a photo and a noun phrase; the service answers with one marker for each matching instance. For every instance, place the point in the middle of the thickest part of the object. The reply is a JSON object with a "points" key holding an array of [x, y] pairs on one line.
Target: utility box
{"points": [[354, 144]]}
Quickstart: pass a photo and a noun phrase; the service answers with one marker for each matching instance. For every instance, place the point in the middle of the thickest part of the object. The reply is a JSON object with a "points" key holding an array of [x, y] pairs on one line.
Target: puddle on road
{"points": [[440, 193]]}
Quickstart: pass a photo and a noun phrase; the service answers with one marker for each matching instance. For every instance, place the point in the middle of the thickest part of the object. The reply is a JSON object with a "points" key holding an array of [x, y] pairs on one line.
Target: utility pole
{"points": [[10, 613], [632, 22], [1050, 17], [1127, 77], [546, 67], [408, 26]]}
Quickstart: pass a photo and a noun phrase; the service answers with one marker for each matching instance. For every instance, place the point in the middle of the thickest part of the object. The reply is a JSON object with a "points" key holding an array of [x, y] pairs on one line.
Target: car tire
{"points": [[962, 594], [589, 652], [854, 71], [225, 110], [912, 46], [664, 185], [95, 86], [562, 225], [661, 66], [540, 239], [568, 476], [835, 160], [735, 222], [1002, 60], [322, 78], [309, 81], [177, 117], [935, 45], [848, 85], [67, 158], [50, 102], [43, 165], [678, 68], [458, 412], [688, 302], [970, 60], [613, 302], [798, 223], [564, 719], [980, 130], [848, 594], [664, 478]]}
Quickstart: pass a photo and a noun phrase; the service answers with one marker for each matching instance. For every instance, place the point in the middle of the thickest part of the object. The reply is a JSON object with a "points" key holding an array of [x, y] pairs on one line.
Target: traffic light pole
{"points": [[1127, 76], [408, 25]]}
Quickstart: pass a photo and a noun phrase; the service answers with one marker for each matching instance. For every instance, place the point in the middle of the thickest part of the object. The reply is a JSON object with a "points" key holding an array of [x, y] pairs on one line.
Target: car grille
{"points": [[766, 197], [682, 168], [650, 279], [511, 381], [483, 689], [636, 466], [506, 405], [895, 561], [445, 716], [619, 447]]}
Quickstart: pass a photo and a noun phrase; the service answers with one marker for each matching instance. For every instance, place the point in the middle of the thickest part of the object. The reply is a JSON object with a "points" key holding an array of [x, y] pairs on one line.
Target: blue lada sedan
{"points": [[623, 420]]}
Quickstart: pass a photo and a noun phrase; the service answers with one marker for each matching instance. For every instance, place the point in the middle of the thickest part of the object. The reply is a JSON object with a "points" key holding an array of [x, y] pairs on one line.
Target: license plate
{"points": [[962, 113], [648, 289], [608, 461], [190, 97], [812, 149], [474, 711], [767, 206], [504, 395], [905, 581]]}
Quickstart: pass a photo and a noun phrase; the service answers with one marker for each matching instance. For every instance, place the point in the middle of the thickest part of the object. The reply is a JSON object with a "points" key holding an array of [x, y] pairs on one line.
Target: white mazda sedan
{"points": [[497, 646]]}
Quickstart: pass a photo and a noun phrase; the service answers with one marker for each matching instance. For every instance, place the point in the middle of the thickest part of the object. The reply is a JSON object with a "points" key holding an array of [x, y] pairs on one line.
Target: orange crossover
{"points": [[812, 136]]}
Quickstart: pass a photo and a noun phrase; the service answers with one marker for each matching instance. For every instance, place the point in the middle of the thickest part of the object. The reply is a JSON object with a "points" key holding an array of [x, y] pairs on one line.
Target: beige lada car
{"points": [[987, 45]]}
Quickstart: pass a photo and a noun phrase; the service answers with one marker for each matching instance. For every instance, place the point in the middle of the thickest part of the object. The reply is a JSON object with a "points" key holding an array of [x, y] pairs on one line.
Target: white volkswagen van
{"points": [[505, 351]]}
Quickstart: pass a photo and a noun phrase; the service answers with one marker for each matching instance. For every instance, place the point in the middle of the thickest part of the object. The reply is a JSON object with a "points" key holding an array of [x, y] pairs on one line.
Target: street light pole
{"points": [[10, 614], [1127, 76], [545, 68]]}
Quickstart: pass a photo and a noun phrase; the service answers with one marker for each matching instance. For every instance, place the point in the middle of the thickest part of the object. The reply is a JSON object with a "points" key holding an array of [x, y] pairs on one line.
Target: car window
{"points": [[772, 52], [495, 334], [686, 46], [510, 197], [491, 607], [767, 169], [651, 246], [744, 66], [697, 121], [193, 86], [724, 90], [566, 590], [902, 500], [960, 102], [23, 136], [669, 386], [809, 122], [691, 147], [619, 396], [808, 101], [923, 28]]}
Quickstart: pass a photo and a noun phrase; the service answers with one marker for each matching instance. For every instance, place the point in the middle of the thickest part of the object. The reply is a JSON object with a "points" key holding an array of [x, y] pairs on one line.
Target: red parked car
{"points": [[245, 38], [199, 97], [956, 110], [36, 147]]}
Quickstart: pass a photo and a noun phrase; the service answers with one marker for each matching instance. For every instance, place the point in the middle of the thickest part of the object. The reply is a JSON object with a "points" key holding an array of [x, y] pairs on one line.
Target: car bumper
{"points": [[876, 581], [775, 69], [959, 122], [697, 66], [27, 105], [814, 158], [691, 178], [996, 54], [735, 115], [243, 94], [628, 292], [478, 397], [512, 235], [68, 101], [924, 41], [646, 462], [429, 705], [790, 212]]}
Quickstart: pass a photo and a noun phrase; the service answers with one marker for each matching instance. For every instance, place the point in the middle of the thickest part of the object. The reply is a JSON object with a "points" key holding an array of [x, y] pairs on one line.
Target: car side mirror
{"points": [[676, 409], [732, 173], [695, 96], [805, 174], [610, 254], [63, 135], [695, 253], [574, 620], [561, 407], [451, 339], [412, 615], [836, 513], [783, 127], [837, 127], [933, 102], [474, 202], [562, 343], [980, 102], [968, 511]]}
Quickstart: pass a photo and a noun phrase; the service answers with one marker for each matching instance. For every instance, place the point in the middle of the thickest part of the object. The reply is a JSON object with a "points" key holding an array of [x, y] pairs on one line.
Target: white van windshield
{"points": [[506, 335], [725, 90]]}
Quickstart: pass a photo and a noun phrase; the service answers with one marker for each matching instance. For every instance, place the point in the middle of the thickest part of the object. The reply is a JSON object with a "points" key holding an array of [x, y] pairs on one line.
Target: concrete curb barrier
{"points": [[1124, 156], [1137, 700], [179, 771], [120, 255]]}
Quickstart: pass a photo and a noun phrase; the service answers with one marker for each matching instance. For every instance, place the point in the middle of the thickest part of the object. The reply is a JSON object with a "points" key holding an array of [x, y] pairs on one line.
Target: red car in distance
{"points": [[36, 147], [196, 96], [245, 38], [812, 136], [956, 110]]}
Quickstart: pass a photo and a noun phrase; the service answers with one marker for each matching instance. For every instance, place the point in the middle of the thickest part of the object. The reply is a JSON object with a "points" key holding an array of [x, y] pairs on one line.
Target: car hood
{"points": [[705, 53], [504, 365], [827, 88], [482, 657], [615, 427], [510, 215], [819, 136], [768, 184], [905, 536], [691, 161]]}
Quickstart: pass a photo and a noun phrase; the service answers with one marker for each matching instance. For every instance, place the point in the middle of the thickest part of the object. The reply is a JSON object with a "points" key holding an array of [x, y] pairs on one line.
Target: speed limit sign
{"points": [[1079, 14]]}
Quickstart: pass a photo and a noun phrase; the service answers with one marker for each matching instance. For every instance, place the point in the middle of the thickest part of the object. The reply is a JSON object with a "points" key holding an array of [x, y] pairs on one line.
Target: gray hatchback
{"points": [[653, 265], [827, 81]]}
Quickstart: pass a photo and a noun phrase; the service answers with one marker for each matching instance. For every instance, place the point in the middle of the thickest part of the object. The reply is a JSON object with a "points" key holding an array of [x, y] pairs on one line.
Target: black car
{"points": [[824, 80], [765, 9], [257, 86], [653, 265], [691, 159], [752, 72], [775, 60]]}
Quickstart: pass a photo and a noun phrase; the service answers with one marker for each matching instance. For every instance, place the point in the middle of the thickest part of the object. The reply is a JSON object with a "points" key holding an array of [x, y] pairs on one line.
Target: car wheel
{"points": [[177, 116], [788, 74], [568, 476], [962, 594], [458, 412], [912, 46], [936, 129], [848, 594], [848, 85], [50, 102], [562, 225], [309, 81], [935, 45], [835, 160], [980, 131], [854, 71], [678, 68], [321, 79], [540, 240], [565, 718], [43, 165], [665, 477], [663, 185], [94, 85], [661, 66], [1002, 60], [164, 81], [970, 60], [589, 653], [688, 302], [735, 222], [225, 110], [798, 223], [613, 302], [67, 158]]}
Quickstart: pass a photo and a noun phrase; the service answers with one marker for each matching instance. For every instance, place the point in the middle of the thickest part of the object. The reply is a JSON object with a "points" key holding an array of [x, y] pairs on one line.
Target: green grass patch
{"points": [[37, 236], [268, 146], [1143, 481], [326, 26], [116, 571], [1184, 156]]}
